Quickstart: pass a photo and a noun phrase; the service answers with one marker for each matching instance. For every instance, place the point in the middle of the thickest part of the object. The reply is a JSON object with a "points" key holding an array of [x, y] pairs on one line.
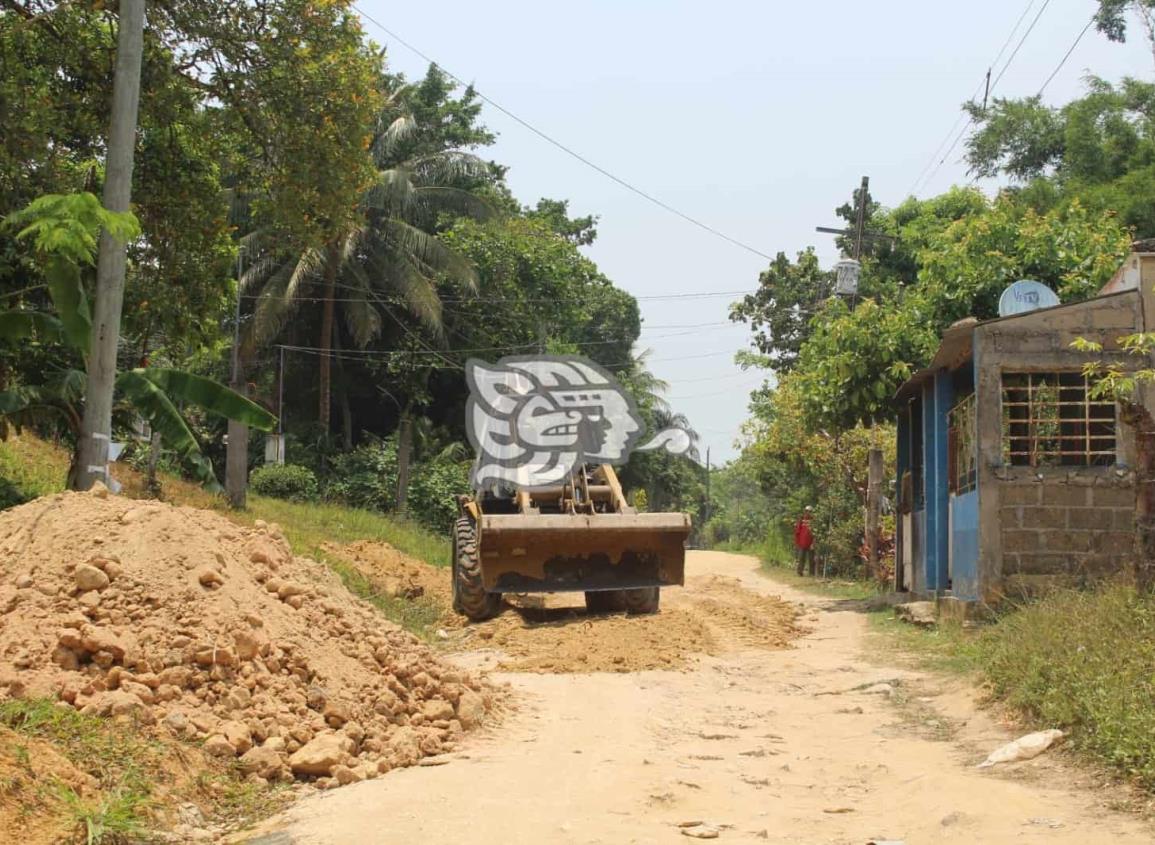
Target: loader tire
{"points": [[469, 595], [641, 600], [604, 601]]}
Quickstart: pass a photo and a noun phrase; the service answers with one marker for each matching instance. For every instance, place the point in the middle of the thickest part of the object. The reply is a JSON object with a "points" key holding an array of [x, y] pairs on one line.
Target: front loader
{"points": [[580, 536]]}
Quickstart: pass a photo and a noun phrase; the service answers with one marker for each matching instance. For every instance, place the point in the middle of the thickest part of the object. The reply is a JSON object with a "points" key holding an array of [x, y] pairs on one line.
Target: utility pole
{"points": [[706, 518], [875, 470], [112, 260], [848, 269], [237, 446]]}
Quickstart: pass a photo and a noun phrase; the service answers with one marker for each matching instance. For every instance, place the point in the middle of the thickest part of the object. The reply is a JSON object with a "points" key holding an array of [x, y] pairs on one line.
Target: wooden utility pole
{"points": [[112, 261], [875, 470]]}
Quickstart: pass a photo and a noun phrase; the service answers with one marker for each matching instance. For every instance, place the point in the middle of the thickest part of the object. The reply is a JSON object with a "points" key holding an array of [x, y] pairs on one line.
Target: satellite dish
{"points": [[1024, 296]]}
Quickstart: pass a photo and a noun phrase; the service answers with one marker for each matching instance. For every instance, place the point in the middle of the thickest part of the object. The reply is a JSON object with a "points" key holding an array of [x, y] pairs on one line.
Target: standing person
{"points": [[804, 542]]}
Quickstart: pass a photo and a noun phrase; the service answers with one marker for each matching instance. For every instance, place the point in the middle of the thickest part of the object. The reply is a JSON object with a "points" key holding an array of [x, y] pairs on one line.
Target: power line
{"points": [[568, 150], [493, 299], [381, 354], [959, 120], [993, 85], [1066, 56]]}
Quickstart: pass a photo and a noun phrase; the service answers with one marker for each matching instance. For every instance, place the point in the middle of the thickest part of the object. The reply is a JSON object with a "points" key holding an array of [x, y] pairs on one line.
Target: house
{"points": [[1011, 472]]}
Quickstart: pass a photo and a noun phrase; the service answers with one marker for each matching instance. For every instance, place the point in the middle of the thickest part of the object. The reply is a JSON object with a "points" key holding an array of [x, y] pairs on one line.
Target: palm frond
{"points": [[392, 192], [279, 296], [448, 167], [429, 253], [395, 134], [454, 200]]}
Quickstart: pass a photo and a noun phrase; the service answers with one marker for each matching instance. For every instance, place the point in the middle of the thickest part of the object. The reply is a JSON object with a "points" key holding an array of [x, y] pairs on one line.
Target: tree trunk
{"points": [[96, 429], [153, 458], [326, 345], [1139, 418], [404, 450]]}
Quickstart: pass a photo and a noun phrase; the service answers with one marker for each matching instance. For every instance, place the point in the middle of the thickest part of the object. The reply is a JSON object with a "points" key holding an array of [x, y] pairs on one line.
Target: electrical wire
{"points": [[962, 115], [991, 90], [1066, 56], [567, 150]]}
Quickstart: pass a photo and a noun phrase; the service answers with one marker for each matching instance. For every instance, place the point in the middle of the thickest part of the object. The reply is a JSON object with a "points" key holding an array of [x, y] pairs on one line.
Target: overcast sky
{"points": [[758, 118]]}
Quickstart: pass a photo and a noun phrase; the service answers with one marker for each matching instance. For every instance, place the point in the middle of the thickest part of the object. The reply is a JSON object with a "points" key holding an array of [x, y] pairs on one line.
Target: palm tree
{"points": [[389, 251]]}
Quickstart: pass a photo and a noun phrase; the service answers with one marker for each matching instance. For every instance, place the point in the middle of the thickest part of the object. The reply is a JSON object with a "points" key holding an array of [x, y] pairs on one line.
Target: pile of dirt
{"points": [[395, 573], [177, 618], [553, 633]]}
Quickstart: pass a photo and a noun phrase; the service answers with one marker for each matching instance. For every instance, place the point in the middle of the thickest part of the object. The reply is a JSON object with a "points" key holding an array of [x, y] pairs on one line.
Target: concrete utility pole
{"points": [[875, 470], [237, 437], [112, 261]]}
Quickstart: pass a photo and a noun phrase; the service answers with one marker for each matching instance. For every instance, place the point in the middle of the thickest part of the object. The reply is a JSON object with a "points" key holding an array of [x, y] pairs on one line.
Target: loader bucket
{"points": [[523, 553]]}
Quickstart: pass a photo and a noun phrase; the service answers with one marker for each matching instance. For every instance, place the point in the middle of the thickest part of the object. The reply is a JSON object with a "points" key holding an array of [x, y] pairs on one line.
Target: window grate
{"points": [[1050, 419], [963, 452]]}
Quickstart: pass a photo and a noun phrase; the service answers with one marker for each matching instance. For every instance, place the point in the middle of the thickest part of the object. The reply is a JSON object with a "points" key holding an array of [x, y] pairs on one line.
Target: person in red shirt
{"points": [[804, 543]]}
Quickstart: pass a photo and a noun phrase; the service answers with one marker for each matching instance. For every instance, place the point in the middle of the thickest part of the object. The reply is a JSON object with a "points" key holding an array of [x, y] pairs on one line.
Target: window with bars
{"points": [[962, 447], [1051, 419]]}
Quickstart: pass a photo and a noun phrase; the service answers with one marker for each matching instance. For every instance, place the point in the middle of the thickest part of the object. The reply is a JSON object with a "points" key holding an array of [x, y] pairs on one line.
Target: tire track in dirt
{"points": [[712, 615]]}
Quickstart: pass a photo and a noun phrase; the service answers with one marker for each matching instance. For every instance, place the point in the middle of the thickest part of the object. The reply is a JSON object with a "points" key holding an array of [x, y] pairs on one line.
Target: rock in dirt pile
{"points": [[184, 621]]}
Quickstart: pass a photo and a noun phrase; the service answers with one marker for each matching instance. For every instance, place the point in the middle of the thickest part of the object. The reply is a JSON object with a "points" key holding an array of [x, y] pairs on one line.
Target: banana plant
{"points": [[64, 230]]}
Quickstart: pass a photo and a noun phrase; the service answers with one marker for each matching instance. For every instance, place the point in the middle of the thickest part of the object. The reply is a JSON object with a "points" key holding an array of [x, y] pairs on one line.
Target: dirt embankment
{"points": [[554, 633], [196, 630]]}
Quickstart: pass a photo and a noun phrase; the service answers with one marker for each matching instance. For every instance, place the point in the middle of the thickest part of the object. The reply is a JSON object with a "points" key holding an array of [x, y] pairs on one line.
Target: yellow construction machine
{"points": [[578, 536]]}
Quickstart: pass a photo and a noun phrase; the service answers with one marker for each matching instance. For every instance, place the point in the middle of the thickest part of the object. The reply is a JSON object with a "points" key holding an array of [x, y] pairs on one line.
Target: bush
{"points": [[1083, 662], [367, 478], [286, 481]]}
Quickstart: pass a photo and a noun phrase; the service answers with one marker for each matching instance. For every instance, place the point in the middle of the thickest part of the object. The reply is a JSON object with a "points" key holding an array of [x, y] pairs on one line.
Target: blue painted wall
{"points": [[964, 511], [937, 398]]}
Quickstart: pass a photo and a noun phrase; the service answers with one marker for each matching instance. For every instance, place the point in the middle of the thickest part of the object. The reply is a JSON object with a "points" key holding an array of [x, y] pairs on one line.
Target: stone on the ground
{"points": [[916, 612]]}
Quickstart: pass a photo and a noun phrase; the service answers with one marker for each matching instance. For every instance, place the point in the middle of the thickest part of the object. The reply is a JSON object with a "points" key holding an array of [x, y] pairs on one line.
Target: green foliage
{"points": [[284, 481], [366, 478], [69, 225], [1111, 19], [1099, 149], [780, 312]]}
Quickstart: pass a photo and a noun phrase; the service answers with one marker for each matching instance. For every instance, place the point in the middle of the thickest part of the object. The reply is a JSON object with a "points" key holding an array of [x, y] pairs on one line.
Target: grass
{"points": [[30, 467], [778, 563], [1081, 661], [123, 763]]}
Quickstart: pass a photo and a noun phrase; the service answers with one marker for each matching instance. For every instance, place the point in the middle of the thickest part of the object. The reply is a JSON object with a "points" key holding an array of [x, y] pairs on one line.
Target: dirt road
{"points": [[788, 746]]}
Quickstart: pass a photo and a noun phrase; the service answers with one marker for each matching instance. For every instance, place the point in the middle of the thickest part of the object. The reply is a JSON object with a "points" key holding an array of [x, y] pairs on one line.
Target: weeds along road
{"points": [[806, 744]]}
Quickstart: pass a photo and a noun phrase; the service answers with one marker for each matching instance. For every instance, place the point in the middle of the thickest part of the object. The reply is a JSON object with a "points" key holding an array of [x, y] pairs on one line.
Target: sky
{"points": [[756, 118]]}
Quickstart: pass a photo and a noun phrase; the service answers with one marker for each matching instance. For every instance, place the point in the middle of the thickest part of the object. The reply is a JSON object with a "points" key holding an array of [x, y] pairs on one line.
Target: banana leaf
{"points": [[19, 325], [211, 395], [151, 401], [67, 292]]}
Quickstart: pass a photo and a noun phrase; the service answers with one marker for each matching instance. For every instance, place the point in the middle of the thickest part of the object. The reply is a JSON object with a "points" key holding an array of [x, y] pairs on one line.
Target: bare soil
{"points": [[195, 631], [812, 743], [553, 633]]}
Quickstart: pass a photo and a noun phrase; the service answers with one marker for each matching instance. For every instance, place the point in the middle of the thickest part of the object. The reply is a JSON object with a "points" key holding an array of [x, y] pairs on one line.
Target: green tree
{"points": [[781, 310], [1098, 149], [388, 251], [63, 231]]}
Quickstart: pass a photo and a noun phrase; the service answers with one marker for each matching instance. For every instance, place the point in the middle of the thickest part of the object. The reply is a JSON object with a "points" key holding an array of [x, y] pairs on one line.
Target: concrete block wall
{"points": [[1078, 529]]}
